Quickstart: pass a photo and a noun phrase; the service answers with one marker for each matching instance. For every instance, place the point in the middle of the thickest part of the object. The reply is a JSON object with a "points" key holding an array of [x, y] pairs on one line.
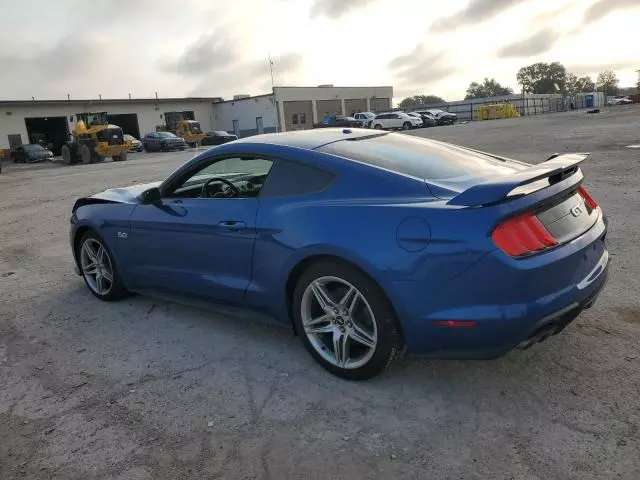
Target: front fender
{"points": [[111, 222]]}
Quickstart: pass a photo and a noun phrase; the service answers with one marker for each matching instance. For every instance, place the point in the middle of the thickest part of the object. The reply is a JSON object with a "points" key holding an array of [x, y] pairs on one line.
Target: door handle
{"points": [[232, 225]]}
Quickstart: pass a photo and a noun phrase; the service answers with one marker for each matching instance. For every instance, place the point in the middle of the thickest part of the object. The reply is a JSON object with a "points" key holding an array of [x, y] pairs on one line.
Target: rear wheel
{"points": [[98, 268], [66, 154], [377, 127], [345, 321]]}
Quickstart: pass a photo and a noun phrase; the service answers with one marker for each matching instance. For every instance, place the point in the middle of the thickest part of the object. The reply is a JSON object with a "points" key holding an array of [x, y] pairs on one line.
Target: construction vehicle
{"points": [[93, 139], [176, 123]]}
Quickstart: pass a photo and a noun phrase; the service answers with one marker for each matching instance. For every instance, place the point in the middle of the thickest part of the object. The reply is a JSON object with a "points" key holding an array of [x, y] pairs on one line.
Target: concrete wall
{"points": [[372, 96], [246, 111], [355, 105], [328, 107], [12, 115], [298, 115]]}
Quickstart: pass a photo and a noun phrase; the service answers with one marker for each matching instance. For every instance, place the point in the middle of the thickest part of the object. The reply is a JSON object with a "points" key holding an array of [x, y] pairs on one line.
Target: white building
{"points": [[21, 120], [286, 108]]}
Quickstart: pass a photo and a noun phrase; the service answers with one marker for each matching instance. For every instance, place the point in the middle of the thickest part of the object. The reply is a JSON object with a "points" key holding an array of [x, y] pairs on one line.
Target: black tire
{"points": [[377, 126], [117, 290], [67, 154], [389, 346], [85, 154], [120, 158], [406, 126]]}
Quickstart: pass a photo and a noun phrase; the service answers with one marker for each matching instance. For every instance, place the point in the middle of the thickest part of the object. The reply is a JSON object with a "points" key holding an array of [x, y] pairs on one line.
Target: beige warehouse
{"points": [[300, 107]]}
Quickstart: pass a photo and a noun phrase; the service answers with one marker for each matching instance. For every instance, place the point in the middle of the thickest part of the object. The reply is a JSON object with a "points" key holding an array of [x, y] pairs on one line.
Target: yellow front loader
{"points": [[176, 123], [93, 139]]}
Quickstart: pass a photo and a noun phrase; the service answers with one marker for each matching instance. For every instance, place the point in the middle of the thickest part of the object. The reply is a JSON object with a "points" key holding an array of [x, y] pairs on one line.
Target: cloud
{"points": [[476, 11], [251, 77], [68, 65], [540, 42], [335, 9], [602, 8], [208, 53], [421, 66], [592, 68]]}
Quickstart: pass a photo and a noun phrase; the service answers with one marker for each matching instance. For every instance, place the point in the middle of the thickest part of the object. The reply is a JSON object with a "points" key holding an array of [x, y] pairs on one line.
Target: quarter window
{"points": [[293, 178]]}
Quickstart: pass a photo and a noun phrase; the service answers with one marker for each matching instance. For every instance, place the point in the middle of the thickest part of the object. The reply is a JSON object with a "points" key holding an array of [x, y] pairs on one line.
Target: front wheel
{"points": [[345, 321], [98, 268], [120, 158], [406, 126]]}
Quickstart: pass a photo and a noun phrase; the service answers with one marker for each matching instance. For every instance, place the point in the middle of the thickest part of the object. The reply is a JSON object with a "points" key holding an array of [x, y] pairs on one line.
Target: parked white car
{"points": [[398, 120], [365, 118], [619, 100]]}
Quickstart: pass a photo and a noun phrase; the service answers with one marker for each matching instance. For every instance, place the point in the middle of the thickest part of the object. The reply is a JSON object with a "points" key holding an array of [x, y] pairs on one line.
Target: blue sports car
{"points": [[368, 243]]}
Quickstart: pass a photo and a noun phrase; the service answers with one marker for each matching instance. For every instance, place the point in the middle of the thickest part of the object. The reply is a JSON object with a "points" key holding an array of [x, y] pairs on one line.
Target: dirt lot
{"points": [[146, 389]]}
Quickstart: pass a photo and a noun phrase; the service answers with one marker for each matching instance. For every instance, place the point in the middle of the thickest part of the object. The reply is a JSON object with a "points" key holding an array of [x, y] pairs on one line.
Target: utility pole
{"points": [[271, 69]]}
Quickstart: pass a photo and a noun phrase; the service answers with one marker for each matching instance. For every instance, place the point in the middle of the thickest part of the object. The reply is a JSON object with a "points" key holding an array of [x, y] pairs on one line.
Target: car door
{"points": [[198, 240], [395, 121]]}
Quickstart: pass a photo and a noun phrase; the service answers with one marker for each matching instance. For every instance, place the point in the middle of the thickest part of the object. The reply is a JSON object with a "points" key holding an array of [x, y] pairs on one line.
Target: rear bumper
{"points": [[111, 150], [514, 302]]}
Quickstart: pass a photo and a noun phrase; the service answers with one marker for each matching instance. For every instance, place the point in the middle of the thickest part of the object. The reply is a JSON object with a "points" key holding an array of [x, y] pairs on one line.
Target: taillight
{"points": [[522, 235], [588, 199]]}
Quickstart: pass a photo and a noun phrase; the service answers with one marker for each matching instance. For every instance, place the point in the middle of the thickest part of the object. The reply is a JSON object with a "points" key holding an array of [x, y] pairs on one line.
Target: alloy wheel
{"points": [[339, 322], [96, 266]]}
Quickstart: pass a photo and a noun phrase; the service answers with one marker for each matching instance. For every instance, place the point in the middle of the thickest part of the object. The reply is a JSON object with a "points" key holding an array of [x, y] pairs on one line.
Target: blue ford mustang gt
{"points": [[368, 243]]}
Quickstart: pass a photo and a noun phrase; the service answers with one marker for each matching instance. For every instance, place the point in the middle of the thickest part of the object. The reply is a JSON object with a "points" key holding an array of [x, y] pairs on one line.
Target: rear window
{"points": [[417, 157]]}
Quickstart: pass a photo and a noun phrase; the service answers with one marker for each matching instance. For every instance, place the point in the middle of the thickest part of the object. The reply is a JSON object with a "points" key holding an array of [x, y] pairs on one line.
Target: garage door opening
{"points": [[50, 132], [128, 122]]}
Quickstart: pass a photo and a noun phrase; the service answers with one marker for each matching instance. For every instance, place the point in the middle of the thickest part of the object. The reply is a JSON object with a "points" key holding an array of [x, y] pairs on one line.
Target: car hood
{"points": [[116, 195], [125, 194]]}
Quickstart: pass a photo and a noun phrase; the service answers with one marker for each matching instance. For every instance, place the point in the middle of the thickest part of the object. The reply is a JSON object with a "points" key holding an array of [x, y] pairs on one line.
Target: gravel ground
{"points": [[147, 389]]}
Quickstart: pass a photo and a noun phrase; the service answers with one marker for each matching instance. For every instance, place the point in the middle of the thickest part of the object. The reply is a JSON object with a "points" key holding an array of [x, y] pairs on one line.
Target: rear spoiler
{"points": [[555, 168]]}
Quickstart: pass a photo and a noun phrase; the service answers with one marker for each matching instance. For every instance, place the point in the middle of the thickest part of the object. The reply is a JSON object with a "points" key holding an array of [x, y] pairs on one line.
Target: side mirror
{"points": [[150, 196]]}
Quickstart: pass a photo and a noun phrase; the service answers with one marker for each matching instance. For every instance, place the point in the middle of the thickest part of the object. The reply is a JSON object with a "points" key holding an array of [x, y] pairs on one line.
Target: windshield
{"points": [[33, 148], [220, 133], [129, 137], [166, 135], [417, 157]]}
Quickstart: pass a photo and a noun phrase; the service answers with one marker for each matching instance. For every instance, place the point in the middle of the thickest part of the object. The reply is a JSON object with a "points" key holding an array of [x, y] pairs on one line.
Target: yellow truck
{"points": [[93, 139], [495, 111], [190, 130]]}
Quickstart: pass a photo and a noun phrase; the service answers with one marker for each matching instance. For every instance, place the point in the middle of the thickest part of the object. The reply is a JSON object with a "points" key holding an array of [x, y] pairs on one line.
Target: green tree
{"points": [[420, 100], [543, 77], [577, 84], [488, 88], [608, 82]]}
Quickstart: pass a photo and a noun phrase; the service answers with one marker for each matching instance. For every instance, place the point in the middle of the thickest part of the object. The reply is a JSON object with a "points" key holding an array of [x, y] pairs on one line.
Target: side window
{"points": [[294, 119], [303, 118], [293, 178], [224, 178]]}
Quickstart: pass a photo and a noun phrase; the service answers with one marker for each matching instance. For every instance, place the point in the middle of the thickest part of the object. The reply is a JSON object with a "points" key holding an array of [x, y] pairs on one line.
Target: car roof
{"points": [[308, 139]]}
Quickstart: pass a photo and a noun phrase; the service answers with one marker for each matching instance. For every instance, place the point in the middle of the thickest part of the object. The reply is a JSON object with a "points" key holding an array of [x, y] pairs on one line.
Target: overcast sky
{"points": [[221, 48]]}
